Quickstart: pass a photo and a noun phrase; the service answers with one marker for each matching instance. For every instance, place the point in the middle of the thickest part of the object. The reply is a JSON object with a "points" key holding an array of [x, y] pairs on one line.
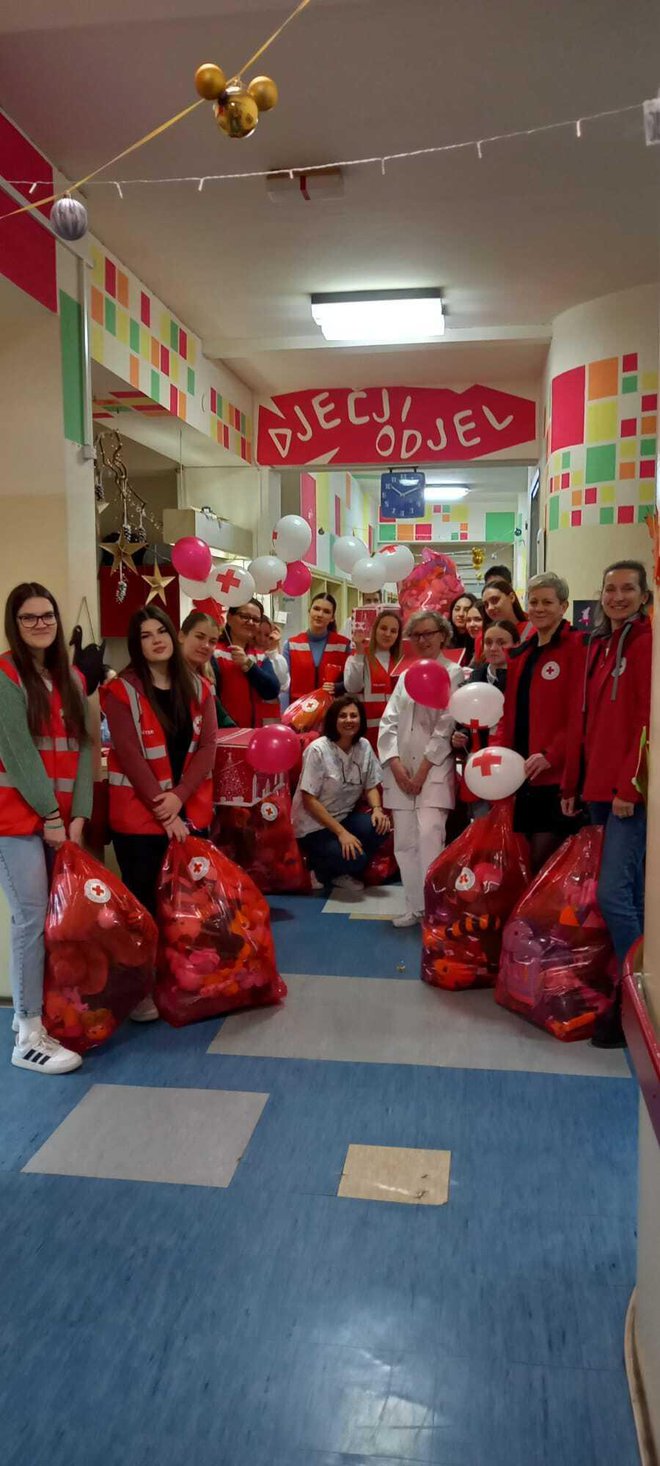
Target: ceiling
{"points": [[533, 227]]}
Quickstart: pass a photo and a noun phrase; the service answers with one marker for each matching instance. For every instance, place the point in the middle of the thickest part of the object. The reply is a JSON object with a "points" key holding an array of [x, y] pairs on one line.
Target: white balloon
{"points": [[369, 573], [399, 563], [477, 702], [197, 589], [267, 571], [347, 550], [292, 537], [494, 773], [233, 585]]}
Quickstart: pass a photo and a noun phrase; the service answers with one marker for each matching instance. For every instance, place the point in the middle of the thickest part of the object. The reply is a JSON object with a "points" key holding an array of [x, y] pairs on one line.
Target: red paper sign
{"points": [[392, 424]]}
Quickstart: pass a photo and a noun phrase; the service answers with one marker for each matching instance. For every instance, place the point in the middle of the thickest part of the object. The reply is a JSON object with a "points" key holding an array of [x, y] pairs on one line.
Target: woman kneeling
{"points": [[339, 770]]}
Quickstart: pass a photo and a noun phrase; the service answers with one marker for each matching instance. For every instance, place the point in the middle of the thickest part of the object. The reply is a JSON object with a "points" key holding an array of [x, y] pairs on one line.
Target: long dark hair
{"points": [[602, 623], [324, 595], [461, 638], [183, 686], [505, 586], [332, 716], [56, 663]]}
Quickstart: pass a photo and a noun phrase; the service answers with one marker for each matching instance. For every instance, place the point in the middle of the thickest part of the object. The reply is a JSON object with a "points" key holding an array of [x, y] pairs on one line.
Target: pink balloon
{"points": [[273, 749], [298, 578], [192, 558], [428, 683]]}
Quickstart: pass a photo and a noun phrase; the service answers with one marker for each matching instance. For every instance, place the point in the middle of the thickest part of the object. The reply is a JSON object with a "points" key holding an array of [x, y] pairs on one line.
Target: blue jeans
{"points": [[621, 883], [24, 880], [323, 852]]}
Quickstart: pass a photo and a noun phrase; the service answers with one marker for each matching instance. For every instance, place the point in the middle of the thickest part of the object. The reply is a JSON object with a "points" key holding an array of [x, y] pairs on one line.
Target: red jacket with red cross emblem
{"points": [[538, 695], [610, 710]]}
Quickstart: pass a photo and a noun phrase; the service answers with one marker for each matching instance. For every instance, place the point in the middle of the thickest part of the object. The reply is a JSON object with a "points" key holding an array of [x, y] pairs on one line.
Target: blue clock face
{"points": [[400, 502]]}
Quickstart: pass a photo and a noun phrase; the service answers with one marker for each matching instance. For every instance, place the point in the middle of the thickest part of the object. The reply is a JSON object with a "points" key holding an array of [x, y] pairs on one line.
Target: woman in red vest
{"points": [[540, 679], [248, 686], [317, 657], [369, 671], [163, 728], [45, 797], [609, 722]]}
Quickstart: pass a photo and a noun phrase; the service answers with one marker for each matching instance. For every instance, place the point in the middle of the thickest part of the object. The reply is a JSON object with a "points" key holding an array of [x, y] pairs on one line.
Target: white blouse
{"points": [[335, 778]]}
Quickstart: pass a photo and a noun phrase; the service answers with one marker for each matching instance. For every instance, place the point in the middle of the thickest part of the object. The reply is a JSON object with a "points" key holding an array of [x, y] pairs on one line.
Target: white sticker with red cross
{"points": [[198, 867], [97, 891], [269, 811], [197, 725], [550, 672], [466, 880]]}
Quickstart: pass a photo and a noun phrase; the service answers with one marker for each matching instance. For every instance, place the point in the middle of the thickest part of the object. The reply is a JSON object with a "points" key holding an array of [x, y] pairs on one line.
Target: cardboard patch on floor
{"points": [[396, 1173]]}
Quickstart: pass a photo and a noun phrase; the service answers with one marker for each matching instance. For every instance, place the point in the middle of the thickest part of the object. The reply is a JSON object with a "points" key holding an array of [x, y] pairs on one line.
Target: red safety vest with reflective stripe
{"points": [[128, 814], [59, 754], [237, 695], [305, 677], [378, 687]]}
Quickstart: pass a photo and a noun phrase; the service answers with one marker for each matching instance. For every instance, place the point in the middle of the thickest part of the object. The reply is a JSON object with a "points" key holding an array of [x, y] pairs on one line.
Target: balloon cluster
{"points": [[292, 537], [371, 572], [237, 107]]}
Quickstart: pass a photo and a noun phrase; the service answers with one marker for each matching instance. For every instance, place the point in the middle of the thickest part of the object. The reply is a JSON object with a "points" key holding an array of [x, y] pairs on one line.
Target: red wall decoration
{"points": [[392, 424], [115, 616], [27, 250]]}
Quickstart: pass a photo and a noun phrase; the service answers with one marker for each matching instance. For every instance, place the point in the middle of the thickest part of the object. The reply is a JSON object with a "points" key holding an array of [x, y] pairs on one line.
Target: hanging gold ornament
{"points": [[210, 81], [478, 557], [264, 92], [236, 113], [157, 583], [122, 551]]}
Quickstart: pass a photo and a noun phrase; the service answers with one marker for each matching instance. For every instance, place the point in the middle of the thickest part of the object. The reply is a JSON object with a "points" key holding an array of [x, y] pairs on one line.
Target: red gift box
{"points": [[235, 782]]}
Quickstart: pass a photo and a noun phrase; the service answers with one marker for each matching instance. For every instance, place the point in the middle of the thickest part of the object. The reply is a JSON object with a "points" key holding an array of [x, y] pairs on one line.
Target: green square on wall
{"points": [[386, 533], [500, 527], [155, 386], [110, 316], [565, 461], [191, 382], [135, 337], [643, 512], [647, 447], [601, 464], [629, 384], [553, 512], [606, 516], [174, 336]]}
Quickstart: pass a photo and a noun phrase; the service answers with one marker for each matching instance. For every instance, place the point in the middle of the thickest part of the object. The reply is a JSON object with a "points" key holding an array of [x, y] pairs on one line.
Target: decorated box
{"points": [[234, 781]]}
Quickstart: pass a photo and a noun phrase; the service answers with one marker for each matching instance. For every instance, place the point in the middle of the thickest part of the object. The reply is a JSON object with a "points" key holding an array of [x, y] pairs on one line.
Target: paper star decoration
{"points": [[122, 551], [157, 583]]}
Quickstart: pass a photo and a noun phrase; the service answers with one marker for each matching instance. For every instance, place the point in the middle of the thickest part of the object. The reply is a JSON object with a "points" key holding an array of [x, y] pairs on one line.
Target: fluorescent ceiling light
{"points": [[380, 315], [445, 493]]}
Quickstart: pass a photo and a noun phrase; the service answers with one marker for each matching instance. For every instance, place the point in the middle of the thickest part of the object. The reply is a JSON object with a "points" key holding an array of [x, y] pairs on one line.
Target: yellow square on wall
{"points": [[649, 381], [577, 478], [607, 494], [457, 513], [628, 448], [601, 422], [564, 521], [122, 327], [646, 491]]}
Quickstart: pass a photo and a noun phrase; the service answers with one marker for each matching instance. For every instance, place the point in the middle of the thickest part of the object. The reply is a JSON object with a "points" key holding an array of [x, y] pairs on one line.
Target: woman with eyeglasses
{"points": [[419, 774], [317, 656], [339, 770], [45, 798], [248, 685], [163, 731]]}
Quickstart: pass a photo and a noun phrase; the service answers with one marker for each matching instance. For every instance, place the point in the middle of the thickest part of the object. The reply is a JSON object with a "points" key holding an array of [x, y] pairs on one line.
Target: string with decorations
{"points": [[133, 515]]}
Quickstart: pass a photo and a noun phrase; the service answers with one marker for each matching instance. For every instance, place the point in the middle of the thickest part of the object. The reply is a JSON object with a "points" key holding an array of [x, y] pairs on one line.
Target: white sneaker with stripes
{"points": [[43, 1054]]}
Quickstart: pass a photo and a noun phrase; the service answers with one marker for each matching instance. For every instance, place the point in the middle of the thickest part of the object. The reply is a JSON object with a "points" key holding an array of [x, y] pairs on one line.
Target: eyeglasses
{"points": [[249, 620], [423, 635], [30, 622]]}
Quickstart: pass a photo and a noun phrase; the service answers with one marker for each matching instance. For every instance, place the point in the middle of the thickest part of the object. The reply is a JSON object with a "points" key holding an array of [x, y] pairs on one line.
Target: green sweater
{"points": [[24, 764]]}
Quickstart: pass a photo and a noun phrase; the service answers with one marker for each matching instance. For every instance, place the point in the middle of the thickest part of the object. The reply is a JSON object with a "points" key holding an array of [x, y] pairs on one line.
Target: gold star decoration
{"points": [[122, 551], [157, 583]]}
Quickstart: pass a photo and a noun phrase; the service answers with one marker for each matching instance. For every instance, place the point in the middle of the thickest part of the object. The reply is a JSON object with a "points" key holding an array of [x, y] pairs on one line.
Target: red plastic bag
{"points": [[382, 867], [262, 842], [431, 586], [470, 891], [216, 948], [309, 711], [557, 964], [101, 951]]}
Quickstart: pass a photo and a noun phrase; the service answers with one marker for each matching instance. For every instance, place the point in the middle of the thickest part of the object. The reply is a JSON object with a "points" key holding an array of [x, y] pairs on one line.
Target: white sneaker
{"points": [[44, 1054], [348, 883], [409, 918], [146, 1012]]}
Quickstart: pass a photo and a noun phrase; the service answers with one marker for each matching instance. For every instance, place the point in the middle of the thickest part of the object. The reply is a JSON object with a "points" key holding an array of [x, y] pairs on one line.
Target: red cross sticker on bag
{"points": [[97, 891], [198, 867]]}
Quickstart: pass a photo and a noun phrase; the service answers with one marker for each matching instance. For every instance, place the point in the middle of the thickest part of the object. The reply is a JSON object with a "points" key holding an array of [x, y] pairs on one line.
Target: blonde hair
{"points": [[396, 648]]}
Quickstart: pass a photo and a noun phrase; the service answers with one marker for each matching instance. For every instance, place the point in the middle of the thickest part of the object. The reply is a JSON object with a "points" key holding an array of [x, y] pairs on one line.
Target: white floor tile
{"points": [[377, 903], [397, 1021], [124, 1132]]}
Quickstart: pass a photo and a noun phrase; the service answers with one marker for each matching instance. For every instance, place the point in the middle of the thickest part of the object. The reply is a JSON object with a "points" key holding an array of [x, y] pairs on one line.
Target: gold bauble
{"points": [[210, 81], [264, 91], [237, 114]]}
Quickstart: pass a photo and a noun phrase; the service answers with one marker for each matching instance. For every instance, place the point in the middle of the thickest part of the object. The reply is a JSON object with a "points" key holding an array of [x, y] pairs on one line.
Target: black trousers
{"points": [[140, 858]]}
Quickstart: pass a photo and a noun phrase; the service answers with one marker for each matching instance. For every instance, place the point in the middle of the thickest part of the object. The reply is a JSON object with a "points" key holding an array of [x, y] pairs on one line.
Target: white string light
{"points": [[575, 123], [118, 188]]}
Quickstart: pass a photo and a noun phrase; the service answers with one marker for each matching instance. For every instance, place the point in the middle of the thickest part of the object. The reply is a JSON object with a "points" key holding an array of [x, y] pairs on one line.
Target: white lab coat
{"points": [[411, 732]]}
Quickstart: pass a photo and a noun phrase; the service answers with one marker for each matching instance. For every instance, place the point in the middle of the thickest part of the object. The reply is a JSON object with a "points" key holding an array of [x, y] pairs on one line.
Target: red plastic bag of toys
{"points": [[100, 951], [262, 842], [309, 711], [557, 963], [470, 891], [216, 948]]}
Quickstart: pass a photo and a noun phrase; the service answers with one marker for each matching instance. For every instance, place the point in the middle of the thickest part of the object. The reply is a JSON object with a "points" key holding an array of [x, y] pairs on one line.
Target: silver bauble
{"points": [[69, 218]]}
